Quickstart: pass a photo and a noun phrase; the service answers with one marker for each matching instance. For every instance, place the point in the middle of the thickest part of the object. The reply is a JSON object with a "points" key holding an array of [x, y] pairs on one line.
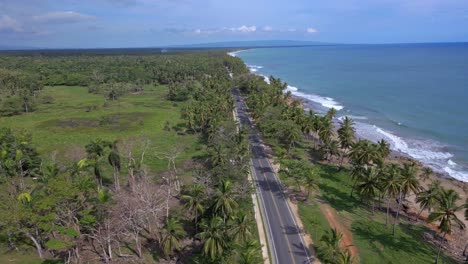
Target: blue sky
{"points": [[144, 23]]}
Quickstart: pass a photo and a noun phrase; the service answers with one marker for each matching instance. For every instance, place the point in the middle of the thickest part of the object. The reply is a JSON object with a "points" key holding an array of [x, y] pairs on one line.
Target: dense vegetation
{"points": [[123, 194], [376, 180]]}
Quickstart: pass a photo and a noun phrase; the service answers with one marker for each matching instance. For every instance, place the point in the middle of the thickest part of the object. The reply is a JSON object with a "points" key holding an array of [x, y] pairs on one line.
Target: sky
{"points": [[152, 23]]}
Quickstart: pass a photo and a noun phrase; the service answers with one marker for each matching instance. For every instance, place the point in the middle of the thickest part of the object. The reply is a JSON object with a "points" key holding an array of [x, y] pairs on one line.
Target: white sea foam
{"points": [[451, 163], [234, 53], [324, 101], [429, 153], [353, 117]]}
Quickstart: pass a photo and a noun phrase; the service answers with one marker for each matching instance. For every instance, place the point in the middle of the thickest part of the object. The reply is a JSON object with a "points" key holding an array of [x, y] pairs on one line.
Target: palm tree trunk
{"points": [[388, 211], [419, 214], [352, 189], [400, 201], [440, 248]]}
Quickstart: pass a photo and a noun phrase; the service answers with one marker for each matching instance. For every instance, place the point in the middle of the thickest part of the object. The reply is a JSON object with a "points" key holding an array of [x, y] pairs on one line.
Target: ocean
{"points": [[415, 96]]}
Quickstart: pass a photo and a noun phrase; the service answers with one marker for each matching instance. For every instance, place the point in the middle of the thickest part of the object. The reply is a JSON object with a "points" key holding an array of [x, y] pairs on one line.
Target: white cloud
{"points": [[63, 17], [244, 29], [241, 29], [7, 23], [311, 30], [267, 29]]}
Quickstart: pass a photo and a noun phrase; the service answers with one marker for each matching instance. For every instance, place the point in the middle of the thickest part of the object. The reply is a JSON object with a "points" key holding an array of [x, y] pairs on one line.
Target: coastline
{"points": [[429, 153], [398, 157]]}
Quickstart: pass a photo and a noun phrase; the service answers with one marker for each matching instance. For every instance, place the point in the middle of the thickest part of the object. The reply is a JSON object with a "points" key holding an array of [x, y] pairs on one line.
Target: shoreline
{"points": [[438, 160]]}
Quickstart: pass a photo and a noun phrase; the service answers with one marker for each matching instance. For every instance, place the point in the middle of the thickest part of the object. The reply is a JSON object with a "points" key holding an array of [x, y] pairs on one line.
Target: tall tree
{"points": [[346, 136], [409, 183], [213, 237], [224, 201], [391, 185], [429, 198], [172, 233], [445, 214]]}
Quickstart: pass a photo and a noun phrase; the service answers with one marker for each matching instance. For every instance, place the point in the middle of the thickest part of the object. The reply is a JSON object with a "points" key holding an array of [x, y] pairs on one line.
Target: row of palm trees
{"points": [[373, 176]]}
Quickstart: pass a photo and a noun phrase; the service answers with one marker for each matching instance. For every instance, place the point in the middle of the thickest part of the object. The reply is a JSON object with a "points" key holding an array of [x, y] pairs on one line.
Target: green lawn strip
{"points": [[372, 238]]}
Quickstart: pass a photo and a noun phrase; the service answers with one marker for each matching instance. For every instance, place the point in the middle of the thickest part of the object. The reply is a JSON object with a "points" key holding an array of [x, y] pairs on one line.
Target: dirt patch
{"points": [[347, 239], [74, 123]]}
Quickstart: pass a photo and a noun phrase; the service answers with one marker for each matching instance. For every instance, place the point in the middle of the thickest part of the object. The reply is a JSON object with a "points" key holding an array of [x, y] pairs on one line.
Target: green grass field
{"points": [[372, 238], [76, 117]]}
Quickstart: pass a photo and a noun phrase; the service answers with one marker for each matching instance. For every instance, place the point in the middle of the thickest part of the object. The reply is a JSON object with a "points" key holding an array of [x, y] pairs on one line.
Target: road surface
{"points": [[285, 242]]}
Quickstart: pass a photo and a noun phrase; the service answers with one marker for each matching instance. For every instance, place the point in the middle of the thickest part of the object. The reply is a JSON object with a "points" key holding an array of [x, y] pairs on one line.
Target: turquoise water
{"points": [[415, 96]]}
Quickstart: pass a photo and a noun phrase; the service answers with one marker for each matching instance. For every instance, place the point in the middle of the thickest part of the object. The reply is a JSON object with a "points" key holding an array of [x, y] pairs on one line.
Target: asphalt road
{"points": [[285, 241]]}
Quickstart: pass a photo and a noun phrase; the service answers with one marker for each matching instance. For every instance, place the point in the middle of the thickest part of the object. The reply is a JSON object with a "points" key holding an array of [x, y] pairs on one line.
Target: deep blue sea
{"points": [[413, 95]]}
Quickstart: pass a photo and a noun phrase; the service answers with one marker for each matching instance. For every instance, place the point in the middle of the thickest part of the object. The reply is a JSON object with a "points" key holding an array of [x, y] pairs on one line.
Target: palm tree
{"points": [[224, 203], [346, 136], [194, 201], [384, 148], [332, 240], [409, 183], [326, 129], [95, 151], [426, 173], [429, 198], [213, 237], [391, 185], [310, 182], [446, 215], [240, 227], [248, 253], [368, 185], [329, 149], [345, 257], [364, 153], [172, 233]]}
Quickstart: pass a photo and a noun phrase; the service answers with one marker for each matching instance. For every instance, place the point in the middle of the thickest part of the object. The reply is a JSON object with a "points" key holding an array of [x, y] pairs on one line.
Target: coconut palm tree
{"points": [[369, 185], [240, 227], [194, 201], [224, 202], [429, 198], [172, 233], [445, 214], [346, 136], [332, 240], [426, 173], [391, 185], [364, 153], [409, 183], [248, 253], [384, 148], [310, 182], [329, 149], [325, 129], [213, 237]]}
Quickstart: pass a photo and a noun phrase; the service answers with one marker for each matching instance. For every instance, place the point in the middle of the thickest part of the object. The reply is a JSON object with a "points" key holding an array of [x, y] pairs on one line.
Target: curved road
{"points": [[285, 241]]}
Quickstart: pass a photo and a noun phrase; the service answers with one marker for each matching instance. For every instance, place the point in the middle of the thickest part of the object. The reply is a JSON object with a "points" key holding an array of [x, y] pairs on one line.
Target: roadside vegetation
{"points": [[352, 197], [123, 159]]}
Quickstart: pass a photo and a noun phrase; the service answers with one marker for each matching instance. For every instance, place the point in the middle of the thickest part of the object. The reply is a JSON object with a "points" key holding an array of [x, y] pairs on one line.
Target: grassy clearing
{"points": [[372, 238], [77, 117]]}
